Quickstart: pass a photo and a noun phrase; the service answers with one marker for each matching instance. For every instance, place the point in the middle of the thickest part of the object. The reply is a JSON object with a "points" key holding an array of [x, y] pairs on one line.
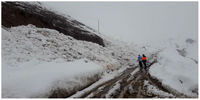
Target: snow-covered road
{"points": [[131, 83]]}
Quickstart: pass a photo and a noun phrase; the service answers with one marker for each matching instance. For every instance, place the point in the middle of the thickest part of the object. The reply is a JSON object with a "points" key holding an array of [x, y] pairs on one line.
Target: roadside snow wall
{"points": [[177, 66], [41, 79]]}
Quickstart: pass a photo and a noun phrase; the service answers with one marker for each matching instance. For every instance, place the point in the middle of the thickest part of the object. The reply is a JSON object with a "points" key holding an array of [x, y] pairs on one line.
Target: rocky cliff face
{"points": [[24, 13]]}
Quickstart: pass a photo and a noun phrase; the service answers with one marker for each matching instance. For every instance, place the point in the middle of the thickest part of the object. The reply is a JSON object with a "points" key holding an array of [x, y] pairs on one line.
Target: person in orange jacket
{"points": [[144, 60]]}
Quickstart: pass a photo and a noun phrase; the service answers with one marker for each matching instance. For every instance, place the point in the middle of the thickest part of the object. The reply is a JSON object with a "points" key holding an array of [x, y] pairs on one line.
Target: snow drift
{"points": [[177, 65], [39, 79]]}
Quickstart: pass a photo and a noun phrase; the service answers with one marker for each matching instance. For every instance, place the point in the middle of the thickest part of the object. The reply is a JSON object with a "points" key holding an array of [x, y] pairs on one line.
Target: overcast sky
{"points": [[135, 21]]}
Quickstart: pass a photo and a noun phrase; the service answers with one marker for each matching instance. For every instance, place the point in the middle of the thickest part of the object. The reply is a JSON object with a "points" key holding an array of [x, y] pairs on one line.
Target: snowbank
{"points": [[177, 68], [38, 80]]}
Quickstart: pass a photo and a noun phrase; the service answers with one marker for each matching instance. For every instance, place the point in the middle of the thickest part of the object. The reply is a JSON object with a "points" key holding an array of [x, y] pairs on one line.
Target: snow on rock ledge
{"points": [[24, 13]]}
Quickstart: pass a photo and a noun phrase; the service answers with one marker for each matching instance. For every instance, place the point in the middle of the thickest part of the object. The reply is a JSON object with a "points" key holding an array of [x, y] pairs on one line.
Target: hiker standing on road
{"points": [[140, 61], [144, 60]]}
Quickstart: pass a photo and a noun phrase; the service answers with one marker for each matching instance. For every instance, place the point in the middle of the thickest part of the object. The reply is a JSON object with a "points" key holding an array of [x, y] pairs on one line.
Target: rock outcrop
{"points": [[24, 13]]}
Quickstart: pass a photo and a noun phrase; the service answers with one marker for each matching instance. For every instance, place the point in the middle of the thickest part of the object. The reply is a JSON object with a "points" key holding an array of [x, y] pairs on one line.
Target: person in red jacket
{"points": [[144, 60]]}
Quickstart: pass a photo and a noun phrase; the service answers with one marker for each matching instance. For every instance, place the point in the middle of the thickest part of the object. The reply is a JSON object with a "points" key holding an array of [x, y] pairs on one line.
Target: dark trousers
{"points": [[140, 63], [145, 66], [141, 66]]}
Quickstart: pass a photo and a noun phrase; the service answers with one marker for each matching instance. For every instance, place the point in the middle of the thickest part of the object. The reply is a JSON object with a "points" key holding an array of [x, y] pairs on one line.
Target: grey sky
{"points": [[135, 21]]}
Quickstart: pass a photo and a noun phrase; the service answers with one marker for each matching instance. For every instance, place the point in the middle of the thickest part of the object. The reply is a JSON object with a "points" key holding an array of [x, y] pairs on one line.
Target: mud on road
{"points": [[132, 83]]}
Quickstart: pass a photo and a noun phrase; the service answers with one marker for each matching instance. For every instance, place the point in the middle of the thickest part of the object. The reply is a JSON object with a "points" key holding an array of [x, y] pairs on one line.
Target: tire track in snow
{"points": [[108, 84], [130, 85]]}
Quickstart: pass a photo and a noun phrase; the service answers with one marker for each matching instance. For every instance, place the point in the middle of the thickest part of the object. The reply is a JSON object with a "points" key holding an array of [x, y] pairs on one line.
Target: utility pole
{"points": [[98, 26]]}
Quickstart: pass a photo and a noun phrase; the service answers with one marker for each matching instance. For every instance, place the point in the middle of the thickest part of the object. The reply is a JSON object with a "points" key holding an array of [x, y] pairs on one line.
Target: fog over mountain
{"points": [[137, 22]]}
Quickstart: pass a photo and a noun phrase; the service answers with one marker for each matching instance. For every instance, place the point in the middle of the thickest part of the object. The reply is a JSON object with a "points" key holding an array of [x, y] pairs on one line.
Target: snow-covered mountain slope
{"points": [[177, 65], [28, 42], [24, 13], [27, 48]]}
